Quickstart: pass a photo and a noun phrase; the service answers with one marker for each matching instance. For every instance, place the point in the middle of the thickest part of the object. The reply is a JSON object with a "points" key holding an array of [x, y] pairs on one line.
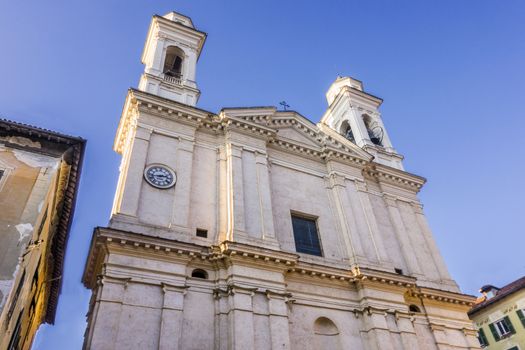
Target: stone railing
{"points": [[173, 79]]}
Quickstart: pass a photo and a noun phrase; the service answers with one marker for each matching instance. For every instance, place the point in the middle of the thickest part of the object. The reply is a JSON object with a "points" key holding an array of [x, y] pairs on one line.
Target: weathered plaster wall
{"points": [[24, 185]]}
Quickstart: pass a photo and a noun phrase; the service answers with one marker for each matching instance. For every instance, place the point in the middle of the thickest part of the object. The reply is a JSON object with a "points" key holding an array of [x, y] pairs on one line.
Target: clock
{"points": [[160, 176]]}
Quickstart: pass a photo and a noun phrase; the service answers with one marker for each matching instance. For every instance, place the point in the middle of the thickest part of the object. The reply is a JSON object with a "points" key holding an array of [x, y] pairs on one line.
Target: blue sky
{"points": [[451, 74]]}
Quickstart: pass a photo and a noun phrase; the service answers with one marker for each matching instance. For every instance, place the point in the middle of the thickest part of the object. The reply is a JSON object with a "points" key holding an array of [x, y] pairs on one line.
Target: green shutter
{"points": [[494, 332], [511, 327], [482, 337], [521, 316]]}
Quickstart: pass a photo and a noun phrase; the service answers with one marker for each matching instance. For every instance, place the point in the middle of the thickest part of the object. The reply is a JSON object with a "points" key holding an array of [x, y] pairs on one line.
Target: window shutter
{"points": [[521, 316], [483, 337], [511, 327], [494, 332]]}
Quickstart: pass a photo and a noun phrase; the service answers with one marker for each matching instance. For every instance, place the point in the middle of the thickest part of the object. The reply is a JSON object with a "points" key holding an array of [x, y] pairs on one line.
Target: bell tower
{"points": [[170, 55], [354, 113]]}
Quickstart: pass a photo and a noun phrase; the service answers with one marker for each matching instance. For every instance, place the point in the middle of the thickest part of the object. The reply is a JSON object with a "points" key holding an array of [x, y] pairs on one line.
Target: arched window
{"points": [[375, 132], [414, 308], [326, 334], [199, 273], [346, 131], [173, 62]]}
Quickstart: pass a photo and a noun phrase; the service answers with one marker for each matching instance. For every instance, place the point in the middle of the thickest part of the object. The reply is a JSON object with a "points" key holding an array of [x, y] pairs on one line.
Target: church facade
{"points": [[254, 228]]}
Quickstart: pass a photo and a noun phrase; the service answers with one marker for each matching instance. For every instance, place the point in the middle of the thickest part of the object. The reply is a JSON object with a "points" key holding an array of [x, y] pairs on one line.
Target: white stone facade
{"points": [[380, 283]]}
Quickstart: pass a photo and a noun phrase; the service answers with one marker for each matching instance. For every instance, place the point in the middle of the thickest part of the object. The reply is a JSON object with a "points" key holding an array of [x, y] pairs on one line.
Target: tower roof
{"points": [[179, 18]]}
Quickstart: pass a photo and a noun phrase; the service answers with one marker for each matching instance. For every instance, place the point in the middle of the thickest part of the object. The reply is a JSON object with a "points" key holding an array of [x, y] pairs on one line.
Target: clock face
{"points": [[160, 176]]}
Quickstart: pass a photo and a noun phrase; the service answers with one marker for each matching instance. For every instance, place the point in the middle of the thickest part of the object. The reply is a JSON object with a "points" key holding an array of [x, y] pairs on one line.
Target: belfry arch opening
{"points": [[346, 131], [173, 62], [375, 132]]}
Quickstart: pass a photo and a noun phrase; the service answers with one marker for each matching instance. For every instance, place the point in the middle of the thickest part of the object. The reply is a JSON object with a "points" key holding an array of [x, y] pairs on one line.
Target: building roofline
{"points": [[73, 155], [502, 294]]}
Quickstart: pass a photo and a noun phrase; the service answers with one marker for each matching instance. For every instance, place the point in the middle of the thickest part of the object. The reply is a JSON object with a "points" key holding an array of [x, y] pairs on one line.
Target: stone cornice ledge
{"points": [[137, 100], [443, 296], [392, 176]]}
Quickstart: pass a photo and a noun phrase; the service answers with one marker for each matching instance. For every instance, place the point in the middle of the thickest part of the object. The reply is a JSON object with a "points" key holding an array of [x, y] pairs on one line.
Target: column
{"points": [[181, 205], [133, 175], [171, 317], [402, 235]]}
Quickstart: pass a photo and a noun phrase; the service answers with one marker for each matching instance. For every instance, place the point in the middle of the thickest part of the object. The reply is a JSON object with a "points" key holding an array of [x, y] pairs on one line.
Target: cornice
{"points": [[442, 296], [106, 239], [385, 174]]}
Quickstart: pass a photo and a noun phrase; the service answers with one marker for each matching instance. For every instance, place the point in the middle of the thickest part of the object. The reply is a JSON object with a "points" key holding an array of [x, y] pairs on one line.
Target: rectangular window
{"points": [[16, 295], [202, 233], [482, 338], [502, 328], [305, 235]]}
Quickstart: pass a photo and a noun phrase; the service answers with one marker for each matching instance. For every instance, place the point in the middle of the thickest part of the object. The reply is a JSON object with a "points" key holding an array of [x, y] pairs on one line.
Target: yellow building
{"points": [[39, 174], [499, 315]]}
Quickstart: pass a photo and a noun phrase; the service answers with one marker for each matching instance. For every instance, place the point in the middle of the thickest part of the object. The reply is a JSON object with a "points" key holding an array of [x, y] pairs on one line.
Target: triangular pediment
{"points": [[293, 135], [294, 128]]}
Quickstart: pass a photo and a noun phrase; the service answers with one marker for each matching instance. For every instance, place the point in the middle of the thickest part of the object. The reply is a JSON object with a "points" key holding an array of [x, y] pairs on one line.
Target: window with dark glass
{"points": [[306, 236], [502, 328]]}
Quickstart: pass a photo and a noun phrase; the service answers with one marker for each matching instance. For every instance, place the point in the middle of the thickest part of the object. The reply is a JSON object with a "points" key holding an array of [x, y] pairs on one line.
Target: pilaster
{"points": [[104, 323], [235, 188], [135, 171], [402, 235], [430, 242], [171, 317], [377, 329], [181, 205], [336, 184], [363, 228], [241, 318], [407, 332], [369, 216], [265, 200], [278, 315]]}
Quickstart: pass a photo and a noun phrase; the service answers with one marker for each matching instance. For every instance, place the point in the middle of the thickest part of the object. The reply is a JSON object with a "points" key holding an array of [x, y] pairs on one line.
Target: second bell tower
{"points": [[170, 55]]}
